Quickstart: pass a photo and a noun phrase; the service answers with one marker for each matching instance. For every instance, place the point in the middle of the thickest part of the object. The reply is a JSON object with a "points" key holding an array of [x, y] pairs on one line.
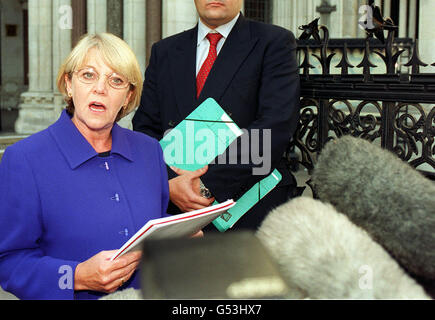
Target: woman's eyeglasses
{"points": [[90, 76]]}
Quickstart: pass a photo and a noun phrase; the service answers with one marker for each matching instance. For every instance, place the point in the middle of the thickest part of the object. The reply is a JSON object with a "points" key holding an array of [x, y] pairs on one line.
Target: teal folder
{"points": [[201, 137], [226, 220], [197, 140]]}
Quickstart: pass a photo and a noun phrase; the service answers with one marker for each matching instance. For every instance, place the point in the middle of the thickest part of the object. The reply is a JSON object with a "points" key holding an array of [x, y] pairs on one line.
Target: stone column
{"points": [[403, 18], [360, 33], [325, 9], [177, 16], [79, 20], [36, 107], [386, 10], [294, 15], [153, 24], [97, 15], [114, 20], [135, 36], [300, 13], [134, 29], [45, 46], [282, 13], [33, 16], [350, 19], [412, 16], [426, 34], [61, 47], [336, 27]]}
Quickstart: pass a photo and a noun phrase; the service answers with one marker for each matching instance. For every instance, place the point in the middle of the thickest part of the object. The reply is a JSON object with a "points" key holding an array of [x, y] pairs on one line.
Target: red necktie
{"points": [[213, 38]]}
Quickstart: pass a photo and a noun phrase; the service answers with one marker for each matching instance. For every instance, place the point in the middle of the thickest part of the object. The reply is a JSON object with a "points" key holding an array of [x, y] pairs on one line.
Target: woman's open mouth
{"points": [[97, 107]]}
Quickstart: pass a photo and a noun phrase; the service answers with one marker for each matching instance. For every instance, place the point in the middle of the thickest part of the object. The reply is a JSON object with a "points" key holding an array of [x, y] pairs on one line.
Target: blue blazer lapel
{"points": [[183, 71], [236, 48]]}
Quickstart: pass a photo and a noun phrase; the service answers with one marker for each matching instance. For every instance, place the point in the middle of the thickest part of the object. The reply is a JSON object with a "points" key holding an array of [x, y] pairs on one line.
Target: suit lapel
{"points": [[236, 48], [183, 71]]}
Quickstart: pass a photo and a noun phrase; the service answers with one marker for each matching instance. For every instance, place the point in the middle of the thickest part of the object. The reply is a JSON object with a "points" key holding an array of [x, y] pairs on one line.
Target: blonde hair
{"points": [[116, 54]]}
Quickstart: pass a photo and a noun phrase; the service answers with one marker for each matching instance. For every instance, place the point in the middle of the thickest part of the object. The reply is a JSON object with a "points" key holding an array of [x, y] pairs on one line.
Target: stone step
{"points": [[8, 140]]}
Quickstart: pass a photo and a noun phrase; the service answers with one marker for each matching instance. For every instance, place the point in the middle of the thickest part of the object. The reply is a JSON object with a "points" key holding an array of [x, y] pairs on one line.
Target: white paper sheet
{"points": [[177, 226]]}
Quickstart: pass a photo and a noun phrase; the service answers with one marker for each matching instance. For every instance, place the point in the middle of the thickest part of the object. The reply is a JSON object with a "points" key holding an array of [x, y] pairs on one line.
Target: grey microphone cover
{"points": [[385, 196]]}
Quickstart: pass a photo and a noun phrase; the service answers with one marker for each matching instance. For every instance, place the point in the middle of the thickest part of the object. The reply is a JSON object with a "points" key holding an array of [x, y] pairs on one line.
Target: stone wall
{"points": [[39, 103]]}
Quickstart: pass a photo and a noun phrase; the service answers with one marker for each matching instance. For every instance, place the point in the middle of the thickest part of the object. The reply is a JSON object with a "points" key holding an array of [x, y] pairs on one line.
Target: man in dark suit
{"points": [[250, 69]]}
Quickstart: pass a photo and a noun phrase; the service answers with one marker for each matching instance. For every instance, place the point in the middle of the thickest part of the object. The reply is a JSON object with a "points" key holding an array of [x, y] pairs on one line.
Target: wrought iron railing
{"points": [[393, 109]]}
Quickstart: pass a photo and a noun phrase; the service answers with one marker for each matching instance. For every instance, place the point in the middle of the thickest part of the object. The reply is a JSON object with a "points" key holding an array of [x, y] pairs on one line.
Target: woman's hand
{"points": [[199, 234], [184, 190], [100, 274]]}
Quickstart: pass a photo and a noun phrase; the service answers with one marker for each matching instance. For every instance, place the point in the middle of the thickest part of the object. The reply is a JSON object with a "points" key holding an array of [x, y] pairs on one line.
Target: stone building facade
{"points": [[36, 35]]}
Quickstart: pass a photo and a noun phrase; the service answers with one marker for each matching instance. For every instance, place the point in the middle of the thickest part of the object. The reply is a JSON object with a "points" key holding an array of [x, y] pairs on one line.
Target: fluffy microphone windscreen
{"points": [[325, 256], [385, 196]]}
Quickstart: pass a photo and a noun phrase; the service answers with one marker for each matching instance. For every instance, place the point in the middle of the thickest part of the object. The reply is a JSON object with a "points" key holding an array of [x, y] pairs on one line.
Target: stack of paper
{"points": [[181, 225]]}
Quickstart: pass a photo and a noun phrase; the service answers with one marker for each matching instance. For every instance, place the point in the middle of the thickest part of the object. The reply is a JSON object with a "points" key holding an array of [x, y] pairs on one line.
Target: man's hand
{"points": [[184, 190]]}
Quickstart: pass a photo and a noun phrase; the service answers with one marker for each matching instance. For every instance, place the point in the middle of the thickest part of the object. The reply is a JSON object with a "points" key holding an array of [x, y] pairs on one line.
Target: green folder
{"points": [[226, 220], [201, 137], [197, 140]]}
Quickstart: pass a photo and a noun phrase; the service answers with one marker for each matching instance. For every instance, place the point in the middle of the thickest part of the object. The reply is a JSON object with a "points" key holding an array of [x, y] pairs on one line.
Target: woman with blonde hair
{"points": [[75, 192]]}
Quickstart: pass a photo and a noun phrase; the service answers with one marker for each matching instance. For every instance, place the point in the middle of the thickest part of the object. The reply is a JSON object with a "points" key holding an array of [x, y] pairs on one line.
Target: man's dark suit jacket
{"points": [[255, 79]]}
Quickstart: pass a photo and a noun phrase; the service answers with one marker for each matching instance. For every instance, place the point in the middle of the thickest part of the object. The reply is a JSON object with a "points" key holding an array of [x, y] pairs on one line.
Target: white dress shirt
{"points": [[203, 45]]}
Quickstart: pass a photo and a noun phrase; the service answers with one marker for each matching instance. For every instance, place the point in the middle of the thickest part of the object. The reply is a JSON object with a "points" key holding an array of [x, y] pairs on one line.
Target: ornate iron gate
{"points": [[395, 110]]}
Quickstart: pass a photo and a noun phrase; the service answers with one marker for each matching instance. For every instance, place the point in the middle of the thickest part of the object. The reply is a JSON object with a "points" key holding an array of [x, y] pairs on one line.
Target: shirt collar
{"points": [[120, 142], [224, 29], [77, 149]]}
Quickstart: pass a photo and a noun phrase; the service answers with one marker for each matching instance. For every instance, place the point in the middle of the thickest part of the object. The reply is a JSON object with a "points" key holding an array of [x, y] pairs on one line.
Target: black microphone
{"points": [[217, 266], [385, 196], [325, 256]]}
